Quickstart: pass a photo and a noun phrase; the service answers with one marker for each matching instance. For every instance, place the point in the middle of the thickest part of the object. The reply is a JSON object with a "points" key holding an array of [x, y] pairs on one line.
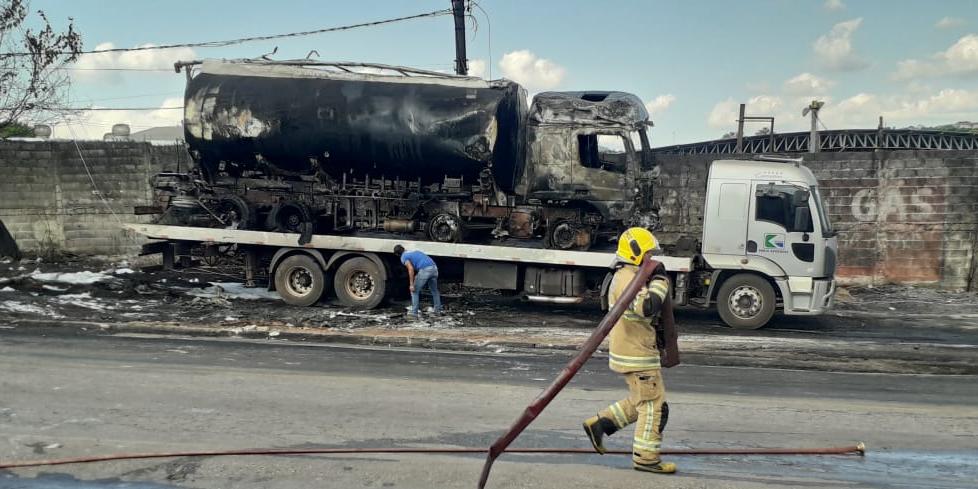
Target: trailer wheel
{"points": [[290, 217], [360, 283], [234, 212], [567, 235], [746, 301], [300, 280], [446, 228]]}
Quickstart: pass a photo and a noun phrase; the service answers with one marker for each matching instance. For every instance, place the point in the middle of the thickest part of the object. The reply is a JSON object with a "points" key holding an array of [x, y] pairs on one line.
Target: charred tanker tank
{"points": [[303, 120], [305, 146]]}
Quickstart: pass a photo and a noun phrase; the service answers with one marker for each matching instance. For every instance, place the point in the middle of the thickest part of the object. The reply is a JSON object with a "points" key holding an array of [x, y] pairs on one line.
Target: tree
{"points": [[764, 131], [728, 135], [32, 83]]}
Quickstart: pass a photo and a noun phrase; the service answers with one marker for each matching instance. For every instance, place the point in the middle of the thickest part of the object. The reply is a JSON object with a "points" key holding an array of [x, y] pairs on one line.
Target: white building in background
{"points": [[162, 133]]}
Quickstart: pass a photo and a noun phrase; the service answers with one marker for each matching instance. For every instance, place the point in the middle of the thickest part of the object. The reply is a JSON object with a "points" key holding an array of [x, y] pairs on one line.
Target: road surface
{"points": [[81, 394]]}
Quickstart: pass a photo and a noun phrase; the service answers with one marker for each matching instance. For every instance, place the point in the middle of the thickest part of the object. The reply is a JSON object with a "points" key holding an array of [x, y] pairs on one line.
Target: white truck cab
{"points": [[767, 236]]}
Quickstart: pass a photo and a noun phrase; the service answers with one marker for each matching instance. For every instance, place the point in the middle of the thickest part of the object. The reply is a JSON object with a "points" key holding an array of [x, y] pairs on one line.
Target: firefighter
{"points": [[635, 354]]}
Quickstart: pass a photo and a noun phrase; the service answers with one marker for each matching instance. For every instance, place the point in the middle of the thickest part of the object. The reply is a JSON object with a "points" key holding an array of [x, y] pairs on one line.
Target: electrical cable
{"points": [[74, 139], [74, 109], [488, 36], [858, 449], [163, 70], [229, 42]]}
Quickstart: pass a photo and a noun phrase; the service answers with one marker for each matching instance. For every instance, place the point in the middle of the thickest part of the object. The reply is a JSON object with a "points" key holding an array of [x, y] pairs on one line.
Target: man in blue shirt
{"points": [[421, 270]]}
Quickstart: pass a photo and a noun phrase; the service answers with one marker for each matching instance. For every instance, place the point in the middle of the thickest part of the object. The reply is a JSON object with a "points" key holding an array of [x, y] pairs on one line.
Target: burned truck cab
{"points": [[589, 151]]}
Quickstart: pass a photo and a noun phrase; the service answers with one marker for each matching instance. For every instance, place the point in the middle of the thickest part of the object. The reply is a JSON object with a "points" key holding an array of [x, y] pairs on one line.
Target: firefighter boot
{"points": [[658, 467], [596, 428]]}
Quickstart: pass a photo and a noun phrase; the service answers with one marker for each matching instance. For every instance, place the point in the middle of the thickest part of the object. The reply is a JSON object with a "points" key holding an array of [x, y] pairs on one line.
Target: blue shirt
{"points": [[418, 259]]}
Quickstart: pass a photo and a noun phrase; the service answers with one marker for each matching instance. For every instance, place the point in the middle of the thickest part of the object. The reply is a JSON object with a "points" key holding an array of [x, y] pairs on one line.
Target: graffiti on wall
{"points": [[896, 204]]}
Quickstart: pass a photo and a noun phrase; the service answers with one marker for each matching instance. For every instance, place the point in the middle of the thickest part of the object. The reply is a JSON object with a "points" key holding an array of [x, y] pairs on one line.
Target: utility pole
{"points": [[814, 143], [740, 129], [461, 63]]}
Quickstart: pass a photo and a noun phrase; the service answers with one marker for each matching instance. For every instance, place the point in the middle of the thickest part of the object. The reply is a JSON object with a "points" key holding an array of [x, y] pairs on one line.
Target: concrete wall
{"points": [[49, 202], [903, 217]]}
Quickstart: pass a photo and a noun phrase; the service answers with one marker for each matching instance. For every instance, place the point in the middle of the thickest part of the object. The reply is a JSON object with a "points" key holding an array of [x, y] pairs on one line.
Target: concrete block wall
{"points": [[902, 217], [51, 201]]}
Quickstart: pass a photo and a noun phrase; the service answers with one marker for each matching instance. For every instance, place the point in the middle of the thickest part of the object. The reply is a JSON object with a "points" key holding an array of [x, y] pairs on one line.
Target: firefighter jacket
{"points": [[633, 338]]}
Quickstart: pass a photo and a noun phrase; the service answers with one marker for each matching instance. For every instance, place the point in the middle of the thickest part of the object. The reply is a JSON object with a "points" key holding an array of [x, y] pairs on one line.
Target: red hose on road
{"points": [[850, 450]]}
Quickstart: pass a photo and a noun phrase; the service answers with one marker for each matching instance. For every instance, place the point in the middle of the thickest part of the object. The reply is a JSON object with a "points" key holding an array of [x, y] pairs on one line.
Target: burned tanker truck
{"points": [[309, 147]]}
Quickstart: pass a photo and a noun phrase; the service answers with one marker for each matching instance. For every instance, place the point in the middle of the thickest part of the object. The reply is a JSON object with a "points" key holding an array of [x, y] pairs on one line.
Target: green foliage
{"points": [[16, 130]]}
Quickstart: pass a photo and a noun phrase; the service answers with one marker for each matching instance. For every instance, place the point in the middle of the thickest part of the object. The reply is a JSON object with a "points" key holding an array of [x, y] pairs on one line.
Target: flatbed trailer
{"points": [[363, 272], [359, 270]]}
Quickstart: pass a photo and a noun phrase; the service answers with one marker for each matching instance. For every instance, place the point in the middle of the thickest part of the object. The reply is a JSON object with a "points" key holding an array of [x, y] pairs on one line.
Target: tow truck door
{"points": [[782, 229]]}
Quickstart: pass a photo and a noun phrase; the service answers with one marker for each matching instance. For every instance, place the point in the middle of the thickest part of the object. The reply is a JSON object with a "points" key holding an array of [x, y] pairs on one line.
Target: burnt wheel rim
{"points": [[291, 221], [746, 302], [444, 228], [360, 285], [564, 236], [299, 281]]}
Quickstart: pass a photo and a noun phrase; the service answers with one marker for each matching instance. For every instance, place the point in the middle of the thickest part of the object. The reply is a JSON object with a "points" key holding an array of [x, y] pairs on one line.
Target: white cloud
{"points": [[478, 67], [960, 59], [88, 65], [834, 5], [807, 84], [724, 114], [949, 23], [864, 109], [834, 50], [660, 103], [93, 124], [532, 72]]}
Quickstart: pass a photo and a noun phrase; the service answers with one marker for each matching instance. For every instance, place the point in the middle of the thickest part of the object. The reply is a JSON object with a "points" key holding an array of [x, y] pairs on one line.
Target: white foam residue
{"points": [[56, 289], [8, 289], [234, 290], [14, 306], [82, 300], [83, 277], [380, 318], [123, 271]]}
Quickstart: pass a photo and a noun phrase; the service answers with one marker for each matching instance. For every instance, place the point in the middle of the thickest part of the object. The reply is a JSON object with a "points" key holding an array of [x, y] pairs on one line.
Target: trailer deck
{"points": [[595, 259]]}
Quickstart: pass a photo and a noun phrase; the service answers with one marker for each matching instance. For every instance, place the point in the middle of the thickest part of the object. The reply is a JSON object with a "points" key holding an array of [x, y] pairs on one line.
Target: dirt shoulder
{"points": [[891, 330]]}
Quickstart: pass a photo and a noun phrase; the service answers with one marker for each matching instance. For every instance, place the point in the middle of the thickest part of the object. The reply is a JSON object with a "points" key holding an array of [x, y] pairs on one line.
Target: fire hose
{"points": [[500, 445], [850, 450], [570, 370]]}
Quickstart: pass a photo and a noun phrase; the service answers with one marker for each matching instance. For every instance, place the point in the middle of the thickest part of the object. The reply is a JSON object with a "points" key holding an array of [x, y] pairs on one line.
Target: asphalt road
{"points": [[79, 394]]}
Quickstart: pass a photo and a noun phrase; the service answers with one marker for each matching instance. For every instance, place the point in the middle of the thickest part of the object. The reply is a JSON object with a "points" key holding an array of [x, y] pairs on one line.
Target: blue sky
{"points": [[693, 62]]}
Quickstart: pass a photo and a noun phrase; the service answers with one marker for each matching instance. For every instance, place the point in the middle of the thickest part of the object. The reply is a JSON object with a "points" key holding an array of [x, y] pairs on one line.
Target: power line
{"points": [[85, 109], [133, 96], [167, 70], [229, 42]]}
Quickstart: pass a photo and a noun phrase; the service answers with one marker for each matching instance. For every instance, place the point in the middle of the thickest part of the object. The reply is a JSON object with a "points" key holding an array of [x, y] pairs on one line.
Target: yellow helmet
{"points": [[634, 243]]}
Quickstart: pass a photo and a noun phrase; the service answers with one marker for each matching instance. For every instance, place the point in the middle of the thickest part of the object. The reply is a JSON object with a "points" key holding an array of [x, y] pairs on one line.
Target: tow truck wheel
{"points": [[300, 280], [746, 301], [360, 283]]}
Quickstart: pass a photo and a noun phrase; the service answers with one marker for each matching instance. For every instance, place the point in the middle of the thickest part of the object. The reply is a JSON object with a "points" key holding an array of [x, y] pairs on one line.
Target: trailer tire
{"points": [[300, 280], [360, 283], [235, 209], [746, 301]]}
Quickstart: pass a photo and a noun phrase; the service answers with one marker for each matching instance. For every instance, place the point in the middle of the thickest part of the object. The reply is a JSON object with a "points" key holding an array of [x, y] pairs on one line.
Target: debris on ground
{"points": [[209, 297]]}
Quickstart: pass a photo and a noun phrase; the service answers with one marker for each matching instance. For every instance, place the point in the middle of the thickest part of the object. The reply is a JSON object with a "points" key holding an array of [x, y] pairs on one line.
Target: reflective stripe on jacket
{"points": [[633, 346]]}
